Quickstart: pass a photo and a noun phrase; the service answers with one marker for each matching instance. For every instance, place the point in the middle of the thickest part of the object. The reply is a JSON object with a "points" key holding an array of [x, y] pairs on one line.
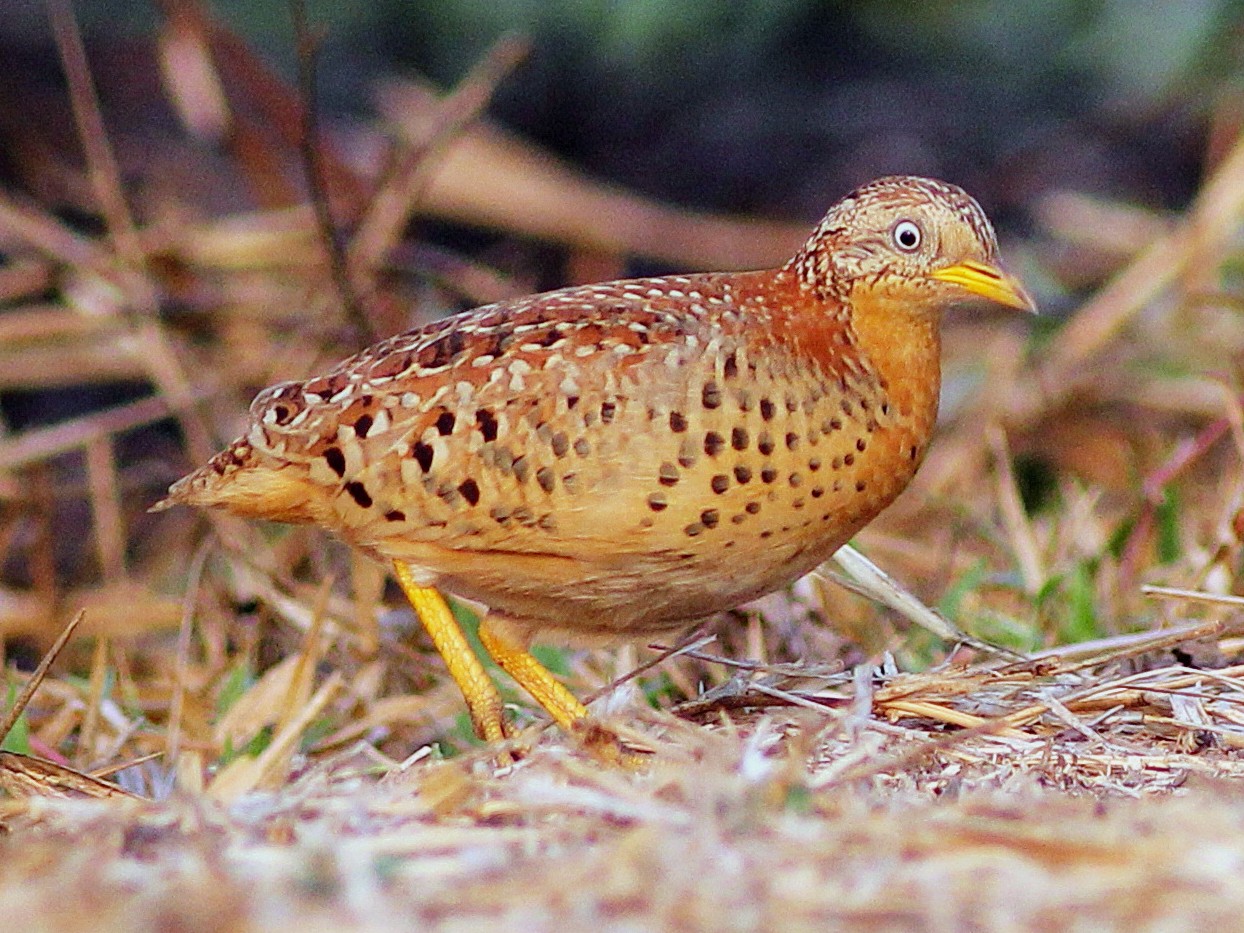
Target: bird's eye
{"points": [[907, 236]]}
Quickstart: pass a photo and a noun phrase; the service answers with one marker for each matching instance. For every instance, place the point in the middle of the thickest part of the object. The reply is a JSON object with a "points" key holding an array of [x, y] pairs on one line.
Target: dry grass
{"points": [[287, 750]]}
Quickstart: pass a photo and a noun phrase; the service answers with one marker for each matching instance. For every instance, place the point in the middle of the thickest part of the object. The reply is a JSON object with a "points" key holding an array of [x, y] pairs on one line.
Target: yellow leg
{"points": [[532, 676], [482, 697]]}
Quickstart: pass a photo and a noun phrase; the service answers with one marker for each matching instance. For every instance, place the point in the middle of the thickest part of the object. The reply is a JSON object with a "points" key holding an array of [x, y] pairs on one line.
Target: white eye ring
{"points": [[907, 236]]}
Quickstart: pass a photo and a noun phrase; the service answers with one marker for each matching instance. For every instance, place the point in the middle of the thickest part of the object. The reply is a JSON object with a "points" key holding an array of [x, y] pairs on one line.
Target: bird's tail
{"points": [[242, 481]]}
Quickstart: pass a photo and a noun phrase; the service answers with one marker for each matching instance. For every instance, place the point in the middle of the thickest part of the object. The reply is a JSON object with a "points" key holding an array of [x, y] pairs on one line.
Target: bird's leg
{"points": [[552, 694], [530, 674], [482, 697]]}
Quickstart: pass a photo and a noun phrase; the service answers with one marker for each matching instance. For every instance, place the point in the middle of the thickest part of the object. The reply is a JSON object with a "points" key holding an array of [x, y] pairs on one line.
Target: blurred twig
{"points": [[1195, 245], [36, 677], [398, 193], [311, 150]]}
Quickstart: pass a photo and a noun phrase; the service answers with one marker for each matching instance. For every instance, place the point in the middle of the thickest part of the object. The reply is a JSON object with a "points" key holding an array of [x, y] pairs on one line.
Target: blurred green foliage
{"points": [[18, 739]]}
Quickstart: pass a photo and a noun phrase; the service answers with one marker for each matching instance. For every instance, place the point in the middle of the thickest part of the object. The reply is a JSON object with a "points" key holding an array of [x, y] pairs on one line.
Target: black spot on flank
{"points": [[657, 502], [424, 454], [730, 368], [768, 475], [560, 444], [336, 460], [582, 447], [497, 342], [607, 411], [667, 475], [521, 468], [860, 444], [710, 518], [885, 408], [792, 440], [738, 438], [442, 351], [470, 491], [792, 404], [711, 396], [549, 337], [720, 483], [848, 459], [767, 534], [678, 422], [499, 514], [752, 508], [846, 407], [861, 486], [765, 443], [487, 422], [358, 492], [767, 409], [796, 480], [818, 491], [913, 452], [714, 443], [814, 464], [395, 515], [546, 478], [445, 423], [695, 528], [363, 425], [743, 474], [571, 402]]}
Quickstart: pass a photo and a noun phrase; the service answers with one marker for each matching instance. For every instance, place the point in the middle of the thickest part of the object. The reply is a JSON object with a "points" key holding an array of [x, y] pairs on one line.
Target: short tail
{"points": [[209, 484], [245, 483]]}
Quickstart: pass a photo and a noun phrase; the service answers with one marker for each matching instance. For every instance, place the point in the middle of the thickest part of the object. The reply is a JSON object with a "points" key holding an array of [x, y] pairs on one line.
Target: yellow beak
{"points": [[988, 282]]}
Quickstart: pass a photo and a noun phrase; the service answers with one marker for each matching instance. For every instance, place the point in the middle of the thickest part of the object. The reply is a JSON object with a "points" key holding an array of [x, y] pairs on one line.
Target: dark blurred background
{"points": [[778, 106]]}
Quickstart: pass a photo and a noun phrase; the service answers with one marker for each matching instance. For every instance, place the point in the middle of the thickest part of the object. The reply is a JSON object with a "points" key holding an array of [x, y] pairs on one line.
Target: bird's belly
{"points": [[608, 566], [681, 499]]}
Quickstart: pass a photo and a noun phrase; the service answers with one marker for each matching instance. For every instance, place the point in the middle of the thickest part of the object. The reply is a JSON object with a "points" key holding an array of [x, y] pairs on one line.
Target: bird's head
{"points": [[920, 242]]}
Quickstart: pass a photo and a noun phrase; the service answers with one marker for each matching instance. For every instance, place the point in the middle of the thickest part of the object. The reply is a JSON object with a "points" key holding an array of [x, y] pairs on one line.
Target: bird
{"points": [[610, 462]]}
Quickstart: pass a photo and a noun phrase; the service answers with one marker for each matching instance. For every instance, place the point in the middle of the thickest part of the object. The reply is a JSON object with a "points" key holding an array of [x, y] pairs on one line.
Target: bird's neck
{"points": [[901, 342], [895, 340]]}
